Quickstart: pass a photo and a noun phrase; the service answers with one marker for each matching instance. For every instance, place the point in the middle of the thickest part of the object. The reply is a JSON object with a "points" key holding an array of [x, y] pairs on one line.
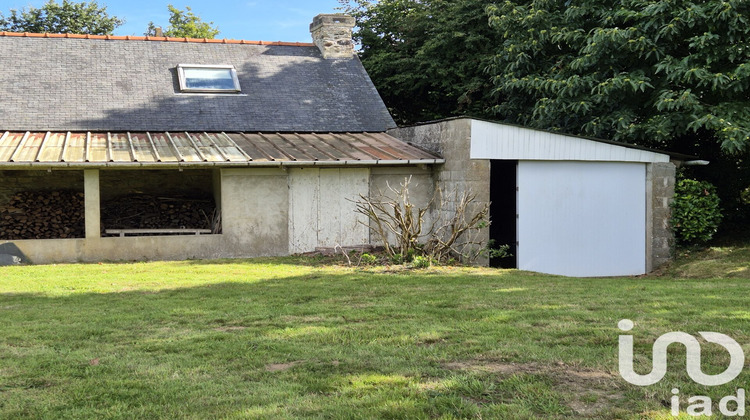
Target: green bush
{"points": [[368, 259], [494, 250], [421, 262], [695, 211]]}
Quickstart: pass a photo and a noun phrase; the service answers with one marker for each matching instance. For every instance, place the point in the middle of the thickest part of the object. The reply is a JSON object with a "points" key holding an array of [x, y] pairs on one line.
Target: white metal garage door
{"points": [[582, 218]]}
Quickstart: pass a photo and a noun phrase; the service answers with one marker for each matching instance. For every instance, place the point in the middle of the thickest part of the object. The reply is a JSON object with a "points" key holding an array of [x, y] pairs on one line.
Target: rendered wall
{"points": [[255, 210], [322, 208], [50, 251], [421, 190]]}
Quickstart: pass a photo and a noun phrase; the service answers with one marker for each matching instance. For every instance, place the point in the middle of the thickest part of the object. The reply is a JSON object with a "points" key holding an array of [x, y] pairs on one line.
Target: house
{"points": [[267, 143], [125, 148]]}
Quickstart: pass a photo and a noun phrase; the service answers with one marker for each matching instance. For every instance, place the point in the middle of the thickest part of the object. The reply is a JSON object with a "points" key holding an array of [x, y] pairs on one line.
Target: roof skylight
{"points": [[208, 78]]}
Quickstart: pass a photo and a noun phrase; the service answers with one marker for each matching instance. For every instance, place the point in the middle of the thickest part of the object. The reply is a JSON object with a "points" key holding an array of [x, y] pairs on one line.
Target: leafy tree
{"points": [[428, 57], [68, 17], [661, 73], [667, 74], [185, 24]]}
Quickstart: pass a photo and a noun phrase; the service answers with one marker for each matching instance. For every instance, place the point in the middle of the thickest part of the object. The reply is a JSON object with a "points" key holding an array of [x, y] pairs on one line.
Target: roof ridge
{"points": [[153, 38]]}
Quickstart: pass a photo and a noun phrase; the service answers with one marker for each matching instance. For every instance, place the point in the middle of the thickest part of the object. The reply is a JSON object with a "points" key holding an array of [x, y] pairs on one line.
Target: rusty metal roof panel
{"points": [[142, 148], [8, 144], [74, 149], [97, 148], [52, 149], [340, 146], [102, 149], [206, 147], [371, 148], [27, 150], [266, 147], [401, 148], [186, 147], [162, 145]]}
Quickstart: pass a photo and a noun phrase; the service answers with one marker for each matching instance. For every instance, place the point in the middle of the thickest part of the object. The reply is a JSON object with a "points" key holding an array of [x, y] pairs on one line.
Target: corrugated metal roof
{"points": [[102, 149]]}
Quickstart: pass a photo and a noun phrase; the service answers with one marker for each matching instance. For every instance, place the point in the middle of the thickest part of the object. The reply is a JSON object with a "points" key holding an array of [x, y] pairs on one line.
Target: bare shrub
{"points": [[453, 231]]}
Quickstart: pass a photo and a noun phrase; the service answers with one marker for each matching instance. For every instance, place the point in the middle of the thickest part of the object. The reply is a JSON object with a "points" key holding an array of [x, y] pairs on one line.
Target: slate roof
{"points": [[165, 149], [79, 83]]}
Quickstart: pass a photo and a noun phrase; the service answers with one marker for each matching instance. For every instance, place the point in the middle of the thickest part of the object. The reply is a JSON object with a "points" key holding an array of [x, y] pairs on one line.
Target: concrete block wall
{"points": [[451, 139], [661, 179]]}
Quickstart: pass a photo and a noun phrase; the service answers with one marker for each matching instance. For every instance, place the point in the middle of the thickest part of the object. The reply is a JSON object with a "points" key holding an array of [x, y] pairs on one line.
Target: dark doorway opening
{"points": [[503, 210]]}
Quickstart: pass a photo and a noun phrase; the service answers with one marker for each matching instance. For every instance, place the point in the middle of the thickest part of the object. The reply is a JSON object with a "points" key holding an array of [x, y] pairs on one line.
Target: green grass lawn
{"points": [[291, 338]]}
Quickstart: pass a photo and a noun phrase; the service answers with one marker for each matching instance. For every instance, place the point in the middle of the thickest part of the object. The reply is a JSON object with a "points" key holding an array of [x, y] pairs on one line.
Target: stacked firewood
{"points": [[61, 214], [43, 215], [140, 211]]}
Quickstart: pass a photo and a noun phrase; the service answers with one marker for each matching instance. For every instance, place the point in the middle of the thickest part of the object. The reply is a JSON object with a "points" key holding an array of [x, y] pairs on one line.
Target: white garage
{"points": [[566, 205], [582, 218]]}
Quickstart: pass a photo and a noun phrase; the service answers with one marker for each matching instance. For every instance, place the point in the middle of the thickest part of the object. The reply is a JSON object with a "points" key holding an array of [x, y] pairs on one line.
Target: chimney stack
{"points": [[333, 35]]}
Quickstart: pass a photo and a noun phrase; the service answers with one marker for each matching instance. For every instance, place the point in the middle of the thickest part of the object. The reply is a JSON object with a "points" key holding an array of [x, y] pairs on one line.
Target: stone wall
{"points": [[451, 139], [660, 180], [12, 182]]}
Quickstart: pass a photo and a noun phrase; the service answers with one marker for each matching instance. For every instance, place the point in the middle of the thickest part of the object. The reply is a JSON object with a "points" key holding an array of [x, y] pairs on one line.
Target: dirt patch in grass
{"points": [[308, 319], [590, 391], [230, 328], [280, 367]]}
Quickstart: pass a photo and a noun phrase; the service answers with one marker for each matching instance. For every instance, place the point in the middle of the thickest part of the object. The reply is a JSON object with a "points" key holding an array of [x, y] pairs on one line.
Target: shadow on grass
{"points": [[304, 260]]}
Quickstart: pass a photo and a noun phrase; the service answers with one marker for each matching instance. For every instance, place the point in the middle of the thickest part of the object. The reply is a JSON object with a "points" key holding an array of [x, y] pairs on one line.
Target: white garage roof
{"points": [[491, 140]]}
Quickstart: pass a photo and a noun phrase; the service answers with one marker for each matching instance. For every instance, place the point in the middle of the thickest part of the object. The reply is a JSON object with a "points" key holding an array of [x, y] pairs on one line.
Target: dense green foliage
{"points": [[427, 58], [654, 72], [664, 74], [695, 211], [667, 74], [730, 173], [185, 24], [66, 18]]}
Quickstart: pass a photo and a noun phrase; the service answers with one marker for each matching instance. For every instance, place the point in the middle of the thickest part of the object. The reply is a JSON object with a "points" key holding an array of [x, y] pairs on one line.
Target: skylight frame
{"points": [[183, 79]]}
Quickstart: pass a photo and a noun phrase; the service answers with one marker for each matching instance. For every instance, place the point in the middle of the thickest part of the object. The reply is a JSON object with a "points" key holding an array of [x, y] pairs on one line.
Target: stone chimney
{"points": [[333, 35]]}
